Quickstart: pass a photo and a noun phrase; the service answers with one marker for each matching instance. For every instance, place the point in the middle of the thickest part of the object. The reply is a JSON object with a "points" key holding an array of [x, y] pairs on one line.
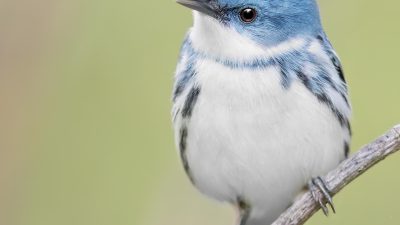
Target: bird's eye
{"points": [[248, 15]]}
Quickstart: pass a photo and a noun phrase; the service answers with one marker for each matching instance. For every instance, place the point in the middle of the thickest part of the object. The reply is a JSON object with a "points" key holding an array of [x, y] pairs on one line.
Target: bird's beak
{"points": [[204, 6]]}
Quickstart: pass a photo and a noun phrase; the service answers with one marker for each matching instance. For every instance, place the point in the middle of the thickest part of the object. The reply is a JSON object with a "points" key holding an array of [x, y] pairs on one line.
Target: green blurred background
{"points": [[86, 137]]}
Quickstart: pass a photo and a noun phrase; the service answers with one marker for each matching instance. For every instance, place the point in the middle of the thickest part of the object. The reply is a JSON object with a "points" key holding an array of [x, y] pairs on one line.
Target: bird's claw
{"points": [[319, 183]]}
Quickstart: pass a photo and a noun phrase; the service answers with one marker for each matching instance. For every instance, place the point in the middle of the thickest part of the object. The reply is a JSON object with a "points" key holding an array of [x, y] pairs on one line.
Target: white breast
{"points": [[249, 137]]}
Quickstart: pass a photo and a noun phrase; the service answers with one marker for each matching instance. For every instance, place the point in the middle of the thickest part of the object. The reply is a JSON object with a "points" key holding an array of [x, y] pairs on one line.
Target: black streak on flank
{"points": [[184, 80], [182, 149], [303, 79], [284, 73], [346, 149], [178, 91], [348, 126], [338, 67], [345, 99], [334, 59], [320, 38], [322, 97], [190, 102], [342, 119]]}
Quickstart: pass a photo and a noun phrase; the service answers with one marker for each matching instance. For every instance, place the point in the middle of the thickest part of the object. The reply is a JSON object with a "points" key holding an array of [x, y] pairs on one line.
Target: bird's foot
{"points": [[325, 198]]}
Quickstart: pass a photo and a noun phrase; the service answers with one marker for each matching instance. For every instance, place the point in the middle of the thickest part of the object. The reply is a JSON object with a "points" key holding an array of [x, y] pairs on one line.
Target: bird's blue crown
{"points": [[267, 22]]}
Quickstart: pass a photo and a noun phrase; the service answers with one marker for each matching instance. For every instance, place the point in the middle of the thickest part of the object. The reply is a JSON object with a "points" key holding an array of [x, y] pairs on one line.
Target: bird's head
{"points": [[266, 22]]}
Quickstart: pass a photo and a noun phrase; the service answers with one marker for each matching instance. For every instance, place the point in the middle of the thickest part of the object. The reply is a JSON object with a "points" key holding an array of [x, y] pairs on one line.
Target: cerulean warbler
{"points": [[261, 108]]}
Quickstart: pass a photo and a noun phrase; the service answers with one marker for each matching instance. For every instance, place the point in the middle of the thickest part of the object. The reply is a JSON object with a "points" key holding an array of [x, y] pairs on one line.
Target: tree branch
{"points": [[347, 171]]}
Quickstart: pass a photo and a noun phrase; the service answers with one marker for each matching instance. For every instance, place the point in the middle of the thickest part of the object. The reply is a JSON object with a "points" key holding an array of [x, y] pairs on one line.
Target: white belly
{"points": [[249, 137]]}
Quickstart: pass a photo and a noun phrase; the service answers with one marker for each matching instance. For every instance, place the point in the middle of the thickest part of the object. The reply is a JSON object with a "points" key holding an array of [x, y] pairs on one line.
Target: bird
{"points": [[260, 104]]}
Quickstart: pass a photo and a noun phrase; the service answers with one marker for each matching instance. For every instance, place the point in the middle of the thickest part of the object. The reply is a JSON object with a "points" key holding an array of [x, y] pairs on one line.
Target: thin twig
{"points": [[347, 171]]}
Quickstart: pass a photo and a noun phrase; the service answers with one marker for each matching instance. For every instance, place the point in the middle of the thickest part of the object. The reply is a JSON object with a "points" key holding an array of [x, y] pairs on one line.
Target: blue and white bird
{"points": [[260, 104]]}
